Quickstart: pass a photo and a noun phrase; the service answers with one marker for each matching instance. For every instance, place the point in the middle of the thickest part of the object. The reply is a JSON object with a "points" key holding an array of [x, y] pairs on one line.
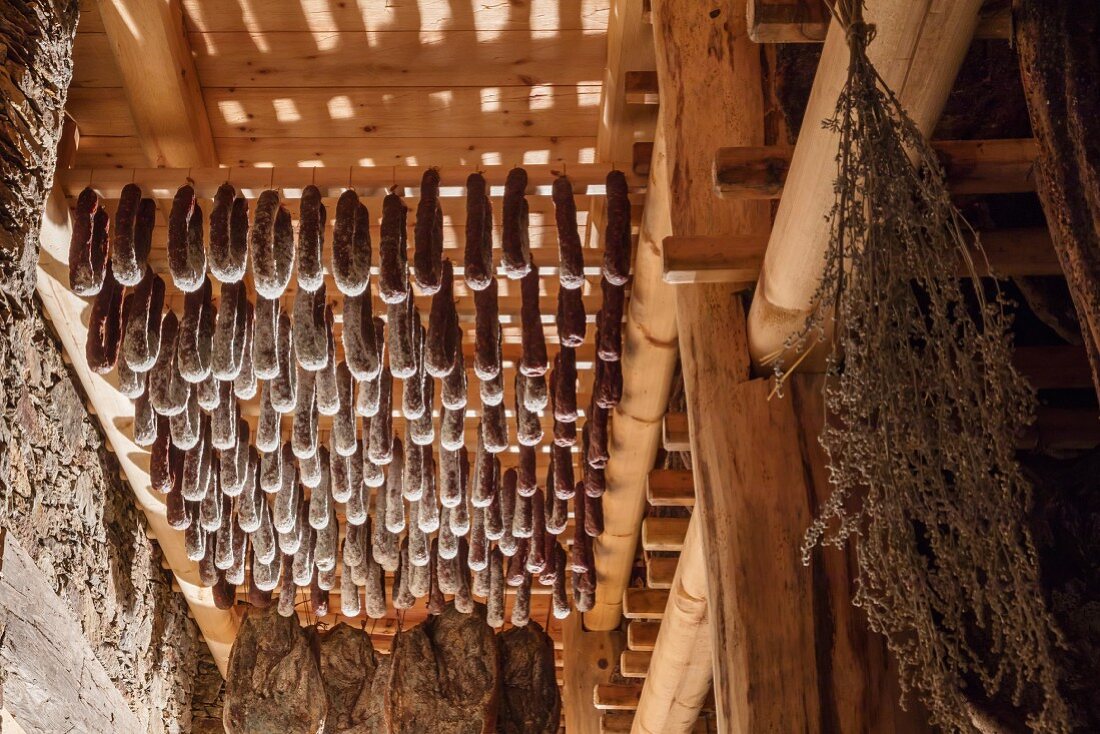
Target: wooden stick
{"points": [[162, 183], [971, 166]]}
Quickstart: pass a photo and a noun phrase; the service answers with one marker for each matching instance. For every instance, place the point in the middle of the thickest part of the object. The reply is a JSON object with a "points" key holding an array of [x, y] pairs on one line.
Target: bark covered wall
{"points": [[60, 492]]}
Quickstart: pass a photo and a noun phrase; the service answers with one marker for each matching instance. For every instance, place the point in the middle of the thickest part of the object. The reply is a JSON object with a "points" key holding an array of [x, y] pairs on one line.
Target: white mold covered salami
{"points": [[272, 245], [284, 384], [186, 425], [209, 393], [401, 322], [515, 244], [228, 235], [448, 541], [412, 483], [350, 605], [380, 444], [234, 462], [454, 395], [562, 463], [141, 336], [528, 425], [324, 554], [559, 600], [310, 338], [452, 429], [186, 250], [427, 518], [393, 281], [608, 385], [557, 516], [309, 471], [413, 404], [320, 499], [487, 333], [450, 477], [230, 331], [428, 235], [527, 482], [374, 591], [494, 613], [344, 439], [478, 262], [570, 253], [265, 353], [351, 246], [494, 428], [225, 418], [507, 540], [311, 236], [482, 482], [422, 429], [328, 393], [533, 361], [146, 421], [571, 319], [443, 337], [521, 607], [303, 435], [563, 383], [105, 326], [268, 432], [164, 459], [196, 333], [437, 603], [271, 470], [131, 384], [361, 350], [478, 557], [248, 503], [89, 246], [395, 505]]}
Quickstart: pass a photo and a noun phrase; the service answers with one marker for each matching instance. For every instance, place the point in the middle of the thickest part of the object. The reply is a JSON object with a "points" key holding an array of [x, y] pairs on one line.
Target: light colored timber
{"points": [[681, 665], [670, 488], [376, 112], [353, 58], [807, 21], [644, 603], [160, 85], [634, 664], [589, 661], [641, 87], [675, 436], [629, 48], [918, 50], [660, 570], [664, 533], [52, 680], [649, 360], [616, 696], [738, 259], [620, 722], [747, 524], [382, 16], [642, 635], [162, 183], [970, 167], [69, 314], [125, 152]]}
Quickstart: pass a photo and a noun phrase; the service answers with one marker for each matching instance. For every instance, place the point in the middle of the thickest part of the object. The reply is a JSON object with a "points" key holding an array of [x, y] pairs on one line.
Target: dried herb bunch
{"points": [[925, 408]]}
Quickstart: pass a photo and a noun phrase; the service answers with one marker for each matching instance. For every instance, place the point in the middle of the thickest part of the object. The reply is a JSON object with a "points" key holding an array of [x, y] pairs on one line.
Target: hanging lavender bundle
{"points": [[925, 409]]}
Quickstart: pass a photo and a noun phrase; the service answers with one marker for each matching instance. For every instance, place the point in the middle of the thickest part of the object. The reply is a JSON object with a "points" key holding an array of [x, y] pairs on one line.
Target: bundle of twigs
{"points": [[925, 409]]}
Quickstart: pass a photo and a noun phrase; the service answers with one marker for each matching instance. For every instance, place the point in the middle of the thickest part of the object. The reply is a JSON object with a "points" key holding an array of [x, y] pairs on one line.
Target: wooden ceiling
{"points": [[404, 82]]}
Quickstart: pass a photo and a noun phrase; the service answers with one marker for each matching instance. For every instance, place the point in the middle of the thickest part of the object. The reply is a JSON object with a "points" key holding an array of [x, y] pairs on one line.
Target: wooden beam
{"points": [[69, 315], [674, 434], [660, 571], [634, 664], [644, 603], [629, 49], [681, 666], [738, 259], [52, 680], [589, 661], [664, 533], [641, 87], [917, 51], [642, 635], [162, 183], [158, 74], [616, 697], [970, 166], [802, 21], [670, 488]]}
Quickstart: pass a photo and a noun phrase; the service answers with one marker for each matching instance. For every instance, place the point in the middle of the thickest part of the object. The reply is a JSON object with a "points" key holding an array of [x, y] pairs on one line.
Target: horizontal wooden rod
{"points": [[971, 167], [642, 635], [660, 571], [738, 258], [671, 488], [162, 183]]}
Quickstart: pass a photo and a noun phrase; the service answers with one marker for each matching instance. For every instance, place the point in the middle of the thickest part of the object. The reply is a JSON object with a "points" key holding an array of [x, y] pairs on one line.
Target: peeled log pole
{"points": [[679, 676], [1056, 41], [918, 49]]}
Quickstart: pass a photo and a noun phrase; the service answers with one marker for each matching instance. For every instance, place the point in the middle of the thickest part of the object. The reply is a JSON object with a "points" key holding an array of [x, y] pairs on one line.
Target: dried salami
{"points": [[478, 261], [227, 350], [228, 235], [265, 353], [105, 326], [571, 319], [428, 235], [186, 250], [609, 323], [617, 235], [393, 281], [311, 236], [533, 361], [310, 337], [487, 332], [380, 444], [528, 425], [515, 244], [272, 245], [361, 350], [570, 253], [284, 385], [89, 246], [196, 333], [442, 338], [125, 264]]}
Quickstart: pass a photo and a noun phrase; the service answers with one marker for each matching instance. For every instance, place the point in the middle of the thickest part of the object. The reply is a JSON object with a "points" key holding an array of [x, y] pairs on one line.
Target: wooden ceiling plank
{"points": [[321, 16], [589, 661], [160, 82], [671, 488]]}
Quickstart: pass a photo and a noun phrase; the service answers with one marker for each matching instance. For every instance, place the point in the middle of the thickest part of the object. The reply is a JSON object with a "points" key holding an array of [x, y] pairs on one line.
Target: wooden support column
{"points": [[51, 679], [158, 71], [589, 662]]}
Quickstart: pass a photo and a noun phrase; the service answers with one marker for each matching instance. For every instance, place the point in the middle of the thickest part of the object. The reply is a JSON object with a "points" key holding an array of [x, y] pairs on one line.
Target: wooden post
{"points": [[590, 662]]}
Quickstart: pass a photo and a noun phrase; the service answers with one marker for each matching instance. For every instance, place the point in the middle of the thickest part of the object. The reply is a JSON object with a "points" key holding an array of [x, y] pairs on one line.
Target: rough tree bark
{"points": [[1060, 65]]}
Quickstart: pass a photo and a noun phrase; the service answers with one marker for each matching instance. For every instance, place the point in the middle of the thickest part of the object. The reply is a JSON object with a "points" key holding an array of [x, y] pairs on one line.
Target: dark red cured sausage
{"points": [[105, 326], [571, 317], [570, 253], [442, 338], [311, 236], [534, 359], [125, 264], [186, 251], [141, 340], [478, 259], [609, 323], [89, 245], [487, 332], [515, 245], [393, 283], [617, 235], [428, 235], [226, 261]]}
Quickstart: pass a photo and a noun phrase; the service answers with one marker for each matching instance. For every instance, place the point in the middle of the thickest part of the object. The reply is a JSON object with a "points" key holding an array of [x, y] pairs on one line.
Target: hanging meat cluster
{"points": [[424, 515]]}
